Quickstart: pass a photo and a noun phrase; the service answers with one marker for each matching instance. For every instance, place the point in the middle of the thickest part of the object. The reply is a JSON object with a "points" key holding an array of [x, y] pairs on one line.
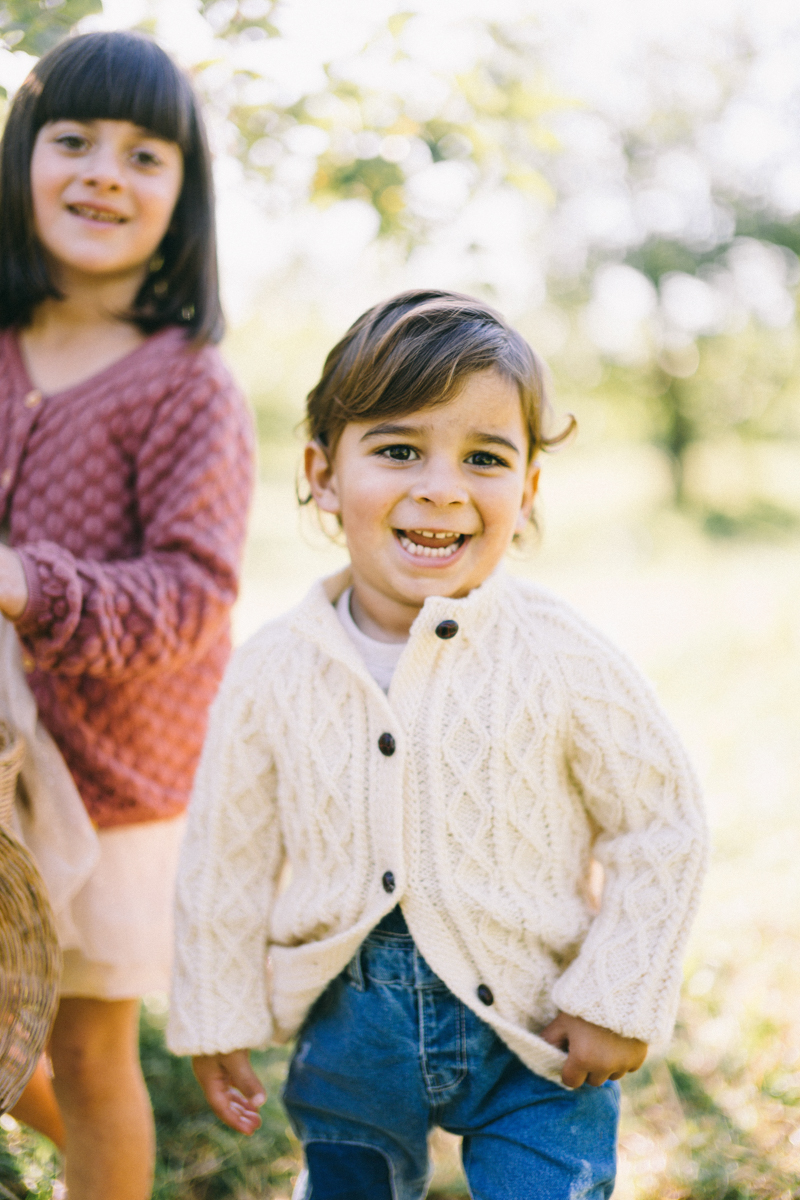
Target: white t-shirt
{"points": [[380, 658]]}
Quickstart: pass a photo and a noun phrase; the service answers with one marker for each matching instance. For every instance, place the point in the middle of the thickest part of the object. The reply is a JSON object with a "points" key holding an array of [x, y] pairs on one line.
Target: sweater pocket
{"points": [[299, 974]]}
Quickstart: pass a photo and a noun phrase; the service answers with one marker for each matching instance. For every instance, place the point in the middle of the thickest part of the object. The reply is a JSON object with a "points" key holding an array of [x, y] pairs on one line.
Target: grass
{"points": [[198, 1157], [713, 621]]}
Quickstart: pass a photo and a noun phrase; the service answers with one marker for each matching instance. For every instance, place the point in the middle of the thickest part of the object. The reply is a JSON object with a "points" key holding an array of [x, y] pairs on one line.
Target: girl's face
{"points": [[103, 197], [429, 502]]}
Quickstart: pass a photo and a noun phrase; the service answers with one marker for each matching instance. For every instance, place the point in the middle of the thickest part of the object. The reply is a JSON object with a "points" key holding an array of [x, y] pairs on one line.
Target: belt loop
{"points": [[355, 970]]}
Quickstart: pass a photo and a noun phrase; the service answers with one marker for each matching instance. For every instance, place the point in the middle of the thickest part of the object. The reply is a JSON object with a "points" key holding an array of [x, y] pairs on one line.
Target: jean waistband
{"points": [[388, 956], [394, 923]]}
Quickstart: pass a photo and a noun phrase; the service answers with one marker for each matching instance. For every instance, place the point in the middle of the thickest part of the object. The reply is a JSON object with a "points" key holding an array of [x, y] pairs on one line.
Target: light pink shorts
{"points": [[116, 934]]}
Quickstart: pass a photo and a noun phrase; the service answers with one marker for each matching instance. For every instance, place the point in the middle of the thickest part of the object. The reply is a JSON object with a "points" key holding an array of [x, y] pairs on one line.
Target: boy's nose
{"points": [[440, 486]]}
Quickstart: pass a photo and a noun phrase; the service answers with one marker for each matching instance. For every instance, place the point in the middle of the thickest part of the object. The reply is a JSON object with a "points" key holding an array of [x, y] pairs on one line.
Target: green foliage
{"points": [[759, 519], [766, 228], [198, 1157], [228, 18], [370, 141], [744, 384], [351, 139], [29, 1165], [11, 1183], [37, 26], [709, 1156], [656, 257]]}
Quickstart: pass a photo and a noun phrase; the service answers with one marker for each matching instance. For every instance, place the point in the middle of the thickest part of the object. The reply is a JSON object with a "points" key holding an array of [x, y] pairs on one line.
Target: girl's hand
{"points": [[232, 1088], [594, 1054], [13, 584]]}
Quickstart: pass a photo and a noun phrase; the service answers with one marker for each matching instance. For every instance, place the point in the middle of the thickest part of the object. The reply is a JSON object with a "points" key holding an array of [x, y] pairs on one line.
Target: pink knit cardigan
{"points": [[126, 497]]}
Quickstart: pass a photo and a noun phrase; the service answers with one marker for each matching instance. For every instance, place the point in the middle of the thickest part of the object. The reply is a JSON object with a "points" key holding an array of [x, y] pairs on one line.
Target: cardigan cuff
{"points": [[53, 591], [36, 609]]}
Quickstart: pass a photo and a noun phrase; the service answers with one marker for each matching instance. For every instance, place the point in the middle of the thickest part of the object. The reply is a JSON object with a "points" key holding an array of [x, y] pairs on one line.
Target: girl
{"points": [[125, 472], [404, 783]]}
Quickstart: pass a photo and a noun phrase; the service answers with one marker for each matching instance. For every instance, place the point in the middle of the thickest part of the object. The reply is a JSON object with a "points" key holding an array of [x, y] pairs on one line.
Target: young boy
{"points": [[405, 781]]}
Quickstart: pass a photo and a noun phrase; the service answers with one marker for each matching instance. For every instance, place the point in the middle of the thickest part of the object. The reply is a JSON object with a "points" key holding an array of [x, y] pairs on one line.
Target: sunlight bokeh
{"points": [[641, 223]]}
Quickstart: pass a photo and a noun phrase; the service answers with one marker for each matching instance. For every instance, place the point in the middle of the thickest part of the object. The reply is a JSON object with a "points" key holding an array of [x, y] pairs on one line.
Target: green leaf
{"points": [[35, 26]]}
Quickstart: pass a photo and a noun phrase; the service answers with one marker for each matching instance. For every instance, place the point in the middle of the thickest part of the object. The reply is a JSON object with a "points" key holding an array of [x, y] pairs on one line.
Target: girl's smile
{"points": [[429, 502], [95, 213], [103, 196]]}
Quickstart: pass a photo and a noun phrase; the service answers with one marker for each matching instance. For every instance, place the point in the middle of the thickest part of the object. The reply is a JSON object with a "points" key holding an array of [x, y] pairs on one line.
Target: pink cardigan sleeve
{"points": [[130, 619]]}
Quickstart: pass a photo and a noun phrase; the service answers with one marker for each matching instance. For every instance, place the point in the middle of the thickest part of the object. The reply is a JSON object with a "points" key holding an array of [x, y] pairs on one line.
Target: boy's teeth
{"points": [[430, 551]]}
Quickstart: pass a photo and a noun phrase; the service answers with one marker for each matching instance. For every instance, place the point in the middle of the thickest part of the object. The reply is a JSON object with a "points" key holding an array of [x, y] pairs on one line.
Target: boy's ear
{"points": [[528, 496], [321, 478]]}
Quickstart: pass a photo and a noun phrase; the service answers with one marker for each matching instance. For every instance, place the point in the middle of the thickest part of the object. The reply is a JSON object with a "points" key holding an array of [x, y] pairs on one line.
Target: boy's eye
{"points": [[482, 458], [399, 453]]}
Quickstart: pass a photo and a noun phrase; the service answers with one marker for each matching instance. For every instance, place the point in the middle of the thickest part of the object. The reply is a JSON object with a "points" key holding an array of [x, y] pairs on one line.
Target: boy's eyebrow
{"points": [[476, 435], [495, 439], [383, 430]]}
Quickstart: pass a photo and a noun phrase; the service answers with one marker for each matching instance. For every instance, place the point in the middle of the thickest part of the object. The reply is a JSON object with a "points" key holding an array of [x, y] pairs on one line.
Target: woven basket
{"points": [[30, 960]]}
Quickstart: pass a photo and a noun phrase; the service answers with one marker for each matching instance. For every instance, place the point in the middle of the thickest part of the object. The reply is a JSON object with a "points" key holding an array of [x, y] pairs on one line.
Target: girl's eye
{"points": [[71, 141], [399, 453], [146, 158], [482, 458]]}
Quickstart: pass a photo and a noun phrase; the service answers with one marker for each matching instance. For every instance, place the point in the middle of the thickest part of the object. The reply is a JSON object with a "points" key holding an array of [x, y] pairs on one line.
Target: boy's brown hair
{"points": [[417, 349]]}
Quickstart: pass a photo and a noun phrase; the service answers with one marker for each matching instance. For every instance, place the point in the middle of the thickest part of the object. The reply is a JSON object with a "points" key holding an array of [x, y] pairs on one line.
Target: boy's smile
{"points": [[426, 543], [429, 502]]}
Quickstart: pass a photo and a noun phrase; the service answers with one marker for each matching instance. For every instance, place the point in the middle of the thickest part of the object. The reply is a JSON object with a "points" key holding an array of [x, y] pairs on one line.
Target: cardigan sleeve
{"points": [[639, 788], [193, 476], [229, 868]]}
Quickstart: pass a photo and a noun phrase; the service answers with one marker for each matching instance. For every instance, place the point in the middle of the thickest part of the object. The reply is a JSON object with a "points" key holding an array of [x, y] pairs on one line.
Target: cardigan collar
{"points": [[315, 617]]}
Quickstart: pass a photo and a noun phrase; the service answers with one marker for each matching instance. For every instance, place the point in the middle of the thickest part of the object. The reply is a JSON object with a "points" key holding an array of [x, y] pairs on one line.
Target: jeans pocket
{"points": [[354, 972]]}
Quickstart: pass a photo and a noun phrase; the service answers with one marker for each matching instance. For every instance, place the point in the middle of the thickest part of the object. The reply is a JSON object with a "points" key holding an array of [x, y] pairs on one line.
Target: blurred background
{"points": [[623, 181]]}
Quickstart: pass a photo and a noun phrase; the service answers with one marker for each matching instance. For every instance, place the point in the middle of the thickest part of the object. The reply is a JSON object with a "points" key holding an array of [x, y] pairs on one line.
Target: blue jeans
{"points": [[387, 1052]]}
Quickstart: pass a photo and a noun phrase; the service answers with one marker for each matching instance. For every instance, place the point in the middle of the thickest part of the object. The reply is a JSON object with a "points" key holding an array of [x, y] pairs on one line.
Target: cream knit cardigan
{"points": [[525, 745]]}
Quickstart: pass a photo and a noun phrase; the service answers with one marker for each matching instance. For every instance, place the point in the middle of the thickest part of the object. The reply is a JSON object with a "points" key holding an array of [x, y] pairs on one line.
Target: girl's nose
{"points": [[102, 170]]}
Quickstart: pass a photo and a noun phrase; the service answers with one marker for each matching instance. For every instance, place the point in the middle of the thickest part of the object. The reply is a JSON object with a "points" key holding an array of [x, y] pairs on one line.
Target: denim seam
{"points": [[386, 937], [398, 984], [355, 972], [461, 1052], [435, 1089]]}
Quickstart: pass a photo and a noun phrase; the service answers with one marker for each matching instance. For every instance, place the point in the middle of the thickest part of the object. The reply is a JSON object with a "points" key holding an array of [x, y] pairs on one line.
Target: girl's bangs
{"points": [[122, 78]]}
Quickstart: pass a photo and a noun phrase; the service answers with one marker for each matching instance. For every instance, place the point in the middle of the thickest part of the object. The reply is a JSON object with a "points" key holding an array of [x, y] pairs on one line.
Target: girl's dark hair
{"points": [[417, 349], [124, 77]]}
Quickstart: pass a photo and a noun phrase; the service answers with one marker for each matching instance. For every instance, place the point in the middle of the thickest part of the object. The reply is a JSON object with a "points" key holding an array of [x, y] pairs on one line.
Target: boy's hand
{"points": [[594, 1054], [232, 1088]]}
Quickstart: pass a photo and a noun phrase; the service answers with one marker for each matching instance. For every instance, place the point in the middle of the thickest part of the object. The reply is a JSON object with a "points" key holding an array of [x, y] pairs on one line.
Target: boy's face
{"points": [[429, 502]]}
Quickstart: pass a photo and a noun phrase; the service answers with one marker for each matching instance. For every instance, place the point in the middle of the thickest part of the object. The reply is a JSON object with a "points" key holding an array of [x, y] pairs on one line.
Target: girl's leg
{"points": [[98, 1082], [38, 1108]]}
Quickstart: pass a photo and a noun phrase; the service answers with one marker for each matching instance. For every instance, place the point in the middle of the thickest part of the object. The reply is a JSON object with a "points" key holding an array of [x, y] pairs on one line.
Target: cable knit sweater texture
{"points": [[126, 497], [524, 745]]}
